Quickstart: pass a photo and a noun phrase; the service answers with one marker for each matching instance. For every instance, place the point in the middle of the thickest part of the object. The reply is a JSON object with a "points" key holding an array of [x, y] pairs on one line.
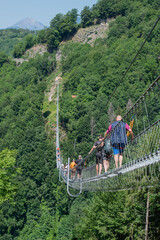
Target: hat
{"points": [[100, 136]]}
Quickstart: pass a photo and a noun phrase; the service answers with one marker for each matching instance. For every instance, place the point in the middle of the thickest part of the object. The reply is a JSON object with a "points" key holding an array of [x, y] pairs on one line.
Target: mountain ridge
{"points": [[28, 23]]}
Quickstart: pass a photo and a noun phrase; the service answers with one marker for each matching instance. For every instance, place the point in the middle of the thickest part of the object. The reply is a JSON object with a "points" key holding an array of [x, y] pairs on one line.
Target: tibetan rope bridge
{"points": [[141, 156]]}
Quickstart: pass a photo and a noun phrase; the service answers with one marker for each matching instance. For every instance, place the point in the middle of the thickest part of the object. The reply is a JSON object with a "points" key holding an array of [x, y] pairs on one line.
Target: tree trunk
{"points": [[147, 217]]}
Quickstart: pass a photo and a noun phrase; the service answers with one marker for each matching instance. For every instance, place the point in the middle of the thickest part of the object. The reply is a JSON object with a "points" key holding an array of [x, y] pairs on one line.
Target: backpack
{"points": [[107, 146]]}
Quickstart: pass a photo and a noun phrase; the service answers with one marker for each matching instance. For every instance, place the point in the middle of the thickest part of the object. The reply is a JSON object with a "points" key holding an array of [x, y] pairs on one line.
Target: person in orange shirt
{"points": [[73, 169]]}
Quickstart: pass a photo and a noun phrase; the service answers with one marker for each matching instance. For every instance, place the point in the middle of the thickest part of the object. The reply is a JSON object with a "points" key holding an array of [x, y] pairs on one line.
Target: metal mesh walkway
{"points": [[141, 157]]}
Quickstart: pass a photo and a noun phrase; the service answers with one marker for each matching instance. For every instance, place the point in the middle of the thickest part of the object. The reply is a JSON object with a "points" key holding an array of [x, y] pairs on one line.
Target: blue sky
{"points": [[13, 11]]}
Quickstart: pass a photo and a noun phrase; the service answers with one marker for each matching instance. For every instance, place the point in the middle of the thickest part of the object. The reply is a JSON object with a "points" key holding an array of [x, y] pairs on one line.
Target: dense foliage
{"points": [[8, 172], [61, 28], [92, 73], [11, 37], [37, 205], [22, 46], [22, 129]]}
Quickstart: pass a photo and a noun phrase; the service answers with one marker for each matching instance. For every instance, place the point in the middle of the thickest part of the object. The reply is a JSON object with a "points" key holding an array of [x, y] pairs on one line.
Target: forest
{"points": [[34, 204], [11, 37]]}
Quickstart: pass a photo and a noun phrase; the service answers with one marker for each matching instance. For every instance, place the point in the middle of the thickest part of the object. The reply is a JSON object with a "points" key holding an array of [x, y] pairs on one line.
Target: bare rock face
{"points": [[31, 53], [87, 35], [58, 55], [37, 49], [90, 34]]}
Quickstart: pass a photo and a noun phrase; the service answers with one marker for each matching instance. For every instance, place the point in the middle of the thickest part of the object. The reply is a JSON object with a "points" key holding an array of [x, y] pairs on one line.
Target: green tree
{"points": [[53, 39], [56, 21], [68, 25], [86, 17], [3, 58], [42, 36], [19, 50], [29, 41], [8, 172]]}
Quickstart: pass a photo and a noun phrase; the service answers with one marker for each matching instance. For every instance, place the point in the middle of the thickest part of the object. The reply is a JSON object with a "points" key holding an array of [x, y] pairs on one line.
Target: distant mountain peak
{"points": [[28, 23]]}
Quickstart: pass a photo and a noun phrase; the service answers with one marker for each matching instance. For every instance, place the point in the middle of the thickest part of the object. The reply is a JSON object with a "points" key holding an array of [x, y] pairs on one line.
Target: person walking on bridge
{"points": [[99, 144], [119, 139], [79, 166], [73, 169]]}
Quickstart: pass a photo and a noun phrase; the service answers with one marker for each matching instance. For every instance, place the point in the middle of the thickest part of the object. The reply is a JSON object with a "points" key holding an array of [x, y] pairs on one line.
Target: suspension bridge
{"points": [[141, 156]]}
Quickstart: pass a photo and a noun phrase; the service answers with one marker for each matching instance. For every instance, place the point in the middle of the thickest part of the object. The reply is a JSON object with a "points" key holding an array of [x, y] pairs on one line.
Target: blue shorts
{"points": [[118, 148]]}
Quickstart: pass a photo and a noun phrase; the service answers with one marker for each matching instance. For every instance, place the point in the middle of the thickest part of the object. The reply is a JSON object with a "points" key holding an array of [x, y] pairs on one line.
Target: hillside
{"points": [[90, 34], [10, 37], [31, 53], [83, 35]]}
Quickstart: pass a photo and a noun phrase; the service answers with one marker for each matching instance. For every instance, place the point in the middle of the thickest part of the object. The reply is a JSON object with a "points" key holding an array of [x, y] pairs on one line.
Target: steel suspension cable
{"points": [[155, 24], [140, 173], [57, 130]]}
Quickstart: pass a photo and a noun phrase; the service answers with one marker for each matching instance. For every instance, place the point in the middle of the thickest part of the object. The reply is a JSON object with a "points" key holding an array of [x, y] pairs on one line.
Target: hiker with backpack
{"points": [[118, 139], [79, 166], [107, 153], [99, 144], [73, 169]]}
